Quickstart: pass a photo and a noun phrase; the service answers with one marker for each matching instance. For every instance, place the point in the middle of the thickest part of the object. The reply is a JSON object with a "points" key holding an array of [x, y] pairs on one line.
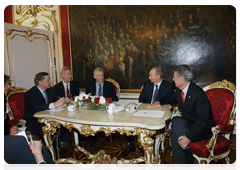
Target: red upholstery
{"points": [[16, 103], [200, 148], [226, 127], [115, 88], [221, 102]]}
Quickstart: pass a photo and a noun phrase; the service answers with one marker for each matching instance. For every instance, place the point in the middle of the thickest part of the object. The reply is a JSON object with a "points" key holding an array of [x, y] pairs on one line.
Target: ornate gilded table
{"points": [[89, 122]]}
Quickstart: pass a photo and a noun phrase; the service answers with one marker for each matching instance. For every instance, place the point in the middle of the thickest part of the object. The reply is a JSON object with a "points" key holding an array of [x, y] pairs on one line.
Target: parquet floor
{"points": [[118, 144]]}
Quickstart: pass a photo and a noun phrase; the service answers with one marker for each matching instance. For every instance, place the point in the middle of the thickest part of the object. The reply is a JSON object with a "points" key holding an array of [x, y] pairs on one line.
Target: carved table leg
{"points": [[147, 144], [48, 131]]}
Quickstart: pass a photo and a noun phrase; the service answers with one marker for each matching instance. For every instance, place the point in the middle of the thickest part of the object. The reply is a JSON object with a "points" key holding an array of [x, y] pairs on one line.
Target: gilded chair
{"points": [[15, 105], [222, 97], [116, 86]]}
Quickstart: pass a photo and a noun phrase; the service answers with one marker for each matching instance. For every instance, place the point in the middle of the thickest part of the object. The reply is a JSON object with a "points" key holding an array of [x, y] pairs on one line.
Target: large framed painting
{"points": [[128, 40]]}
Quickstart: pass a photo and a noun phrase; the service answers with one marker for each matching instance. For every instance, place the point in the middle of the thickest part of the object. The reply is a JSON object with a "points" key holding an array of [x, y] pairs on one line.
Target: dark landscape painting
{"points": [[128, 40]]}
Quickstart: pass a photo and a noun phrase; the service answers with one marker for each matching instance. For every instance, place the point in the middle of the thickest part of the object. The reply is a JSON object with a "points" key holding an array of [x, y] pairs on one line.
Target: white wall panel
{"points": [[29, 51]]}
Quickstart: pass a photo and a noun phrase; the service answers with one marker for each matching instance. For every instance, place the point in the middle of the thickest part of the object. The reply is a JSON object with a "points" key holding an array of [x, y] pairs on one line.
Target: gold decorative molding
{"points": [[101, 157], [30, 36], [43, 17]]}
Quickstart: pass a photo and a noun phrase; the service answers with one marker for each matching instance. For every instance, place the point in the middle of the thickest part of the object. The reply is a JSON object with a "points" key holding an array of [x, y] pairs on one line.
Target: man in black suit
{"points": [[18, 151], [43, 97], [152, 91], [149, 94], [67, 87], [197, 119], [100, 87]]}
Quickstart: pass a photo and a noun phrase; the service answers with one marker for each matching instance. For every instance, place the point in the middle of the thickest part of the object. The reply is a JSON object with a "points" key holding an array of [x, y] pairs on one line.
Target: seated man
{"points": [[43, 97], [197, 119], [152, 91], [100, 87], [67, 87]]}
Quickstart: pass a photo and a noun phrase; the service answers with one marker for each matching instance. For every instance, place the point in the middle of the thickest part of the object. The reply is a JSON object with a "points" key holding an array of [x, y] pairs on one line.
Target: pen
{"points": [[31, 139]]}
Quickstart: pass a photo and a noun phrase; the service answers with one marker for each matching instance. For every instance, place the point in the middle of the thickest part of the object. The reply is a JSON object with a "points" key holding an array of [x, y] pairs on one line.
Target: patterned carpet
{"points": [[116, 143]]}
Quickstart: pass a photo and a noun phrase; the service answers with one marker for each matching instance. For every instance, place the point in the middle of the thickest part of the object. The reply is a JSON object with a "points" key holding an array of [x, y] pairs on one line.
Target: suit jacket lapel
{"points": [[62, 90], [151, 91], [40, 95], [188, 95], [160, 89], [71, 87], [94, 88], [104, 88]]}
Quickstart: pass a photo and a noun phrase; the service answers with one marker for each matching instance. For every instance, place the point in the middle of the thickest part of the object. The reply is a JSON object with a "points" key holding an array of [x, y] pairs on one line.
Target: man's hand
{"points": [[37, 150], [155, 105], [183, 141], [59, 102], [67, 100], [13, 130]]}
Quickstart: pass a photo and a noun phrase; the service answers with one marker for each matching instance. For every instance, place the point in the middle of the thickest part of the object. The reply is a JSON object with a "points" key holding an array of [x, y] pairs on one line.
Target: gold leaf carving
{"points": [[102, 158]]}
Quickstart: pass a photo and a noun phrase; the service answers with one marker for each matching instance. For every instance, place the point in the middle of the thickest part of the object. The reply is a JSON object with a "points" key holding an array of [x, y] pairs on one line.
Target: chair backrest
{"points": [[15, 101], [116, 86], [222, 96]]}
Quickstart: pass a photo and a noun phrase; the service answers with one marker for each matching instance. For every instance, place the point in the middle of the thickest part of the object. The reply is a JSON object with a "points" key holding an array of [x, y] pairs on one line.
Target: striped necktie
{"points": [[100, 90], [68, 94], [155, 94]]}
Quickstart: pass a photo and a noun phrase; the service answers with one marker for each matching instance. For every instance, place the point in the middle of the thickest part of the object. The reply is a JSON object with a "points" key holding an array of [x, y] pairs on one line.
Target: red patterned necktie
{"points": [[68, 94], [182, 94]]}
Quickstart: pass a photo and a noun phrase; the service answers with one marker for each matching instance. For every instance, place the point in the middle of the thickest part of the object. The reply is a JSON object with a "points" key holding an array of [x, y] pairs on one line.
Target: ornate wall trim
{"points": [[44, 17]]}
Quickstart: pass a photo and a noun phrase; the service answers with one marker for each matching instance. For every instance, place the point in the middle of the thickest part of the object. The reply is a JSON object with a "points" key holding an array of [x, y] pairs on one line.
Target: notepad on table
{"points": [[150, 113]]}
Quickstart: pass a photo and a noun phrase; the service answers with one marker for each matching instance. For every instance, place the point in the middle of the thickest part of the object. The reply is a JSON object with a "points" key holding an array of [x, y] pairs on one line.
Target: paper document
{"points": [[150, 113], [22, 132]]}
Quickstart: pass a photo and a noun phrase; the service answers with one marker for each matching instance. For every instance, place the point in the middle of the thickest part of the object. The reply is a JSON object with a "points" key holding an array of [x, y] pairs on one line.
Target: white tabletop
{"points": [[102, 118]]}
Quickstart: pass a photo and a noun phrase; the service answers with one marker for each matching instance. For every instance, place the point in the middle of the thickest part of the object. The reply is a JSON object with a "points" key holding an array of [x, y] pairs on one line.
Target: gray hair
{"points": [[64, 69], [158, 71], [185, 72], [97, 69]]}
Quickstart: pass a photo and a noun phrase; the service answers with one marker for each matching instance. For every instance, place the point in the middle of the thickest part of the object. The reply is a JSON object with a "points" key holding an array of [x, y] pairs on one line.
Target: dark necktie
{"points": [[45, 96], [68, 94], [182, 94], [155, 94], [100, 90]]}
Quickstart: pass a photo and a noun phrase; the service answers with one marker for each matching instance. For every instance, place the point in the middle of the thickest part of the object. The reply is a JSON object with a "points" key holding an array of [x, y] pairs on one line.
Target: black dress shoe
{"points": [[128, 150], [93, 143], [61, 151]]}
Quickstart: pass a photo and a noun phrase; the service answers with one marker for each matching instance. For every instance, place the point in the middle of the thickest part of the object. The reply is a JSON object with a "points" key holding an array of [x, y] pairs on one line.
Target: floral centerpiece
{"points": [[92, 102]]}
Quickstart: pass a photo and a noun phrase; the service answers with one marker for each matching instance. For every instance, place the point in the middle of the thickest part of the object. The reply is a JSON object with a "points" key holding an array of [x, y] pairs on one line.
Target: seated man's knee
{"points": [[176, 121]]}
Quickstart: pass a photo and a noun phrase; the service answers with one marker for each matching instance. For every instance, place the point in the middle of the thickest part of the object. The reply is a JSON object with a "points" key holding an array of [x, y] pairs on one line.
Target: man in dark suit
{"points": [[164, 88], [18, 151], [42, 97], [67, 87], [197, 119], [153, 90], [100, 87]]}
